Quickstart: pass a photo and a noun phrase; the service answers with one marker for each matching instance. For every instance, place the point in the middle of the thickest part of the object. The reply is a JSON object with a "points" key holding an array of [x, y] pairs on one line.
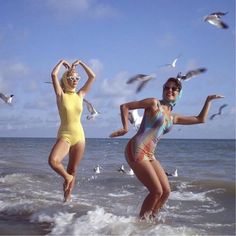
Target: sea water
{"points": [[202, 201]]}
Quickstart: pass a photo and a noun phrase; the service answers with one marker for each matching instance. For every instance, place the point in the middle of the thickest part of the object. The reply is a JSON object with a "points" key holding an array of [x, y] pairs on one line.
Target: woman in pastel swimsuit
{"points": [[139, 152], [70, 137]]}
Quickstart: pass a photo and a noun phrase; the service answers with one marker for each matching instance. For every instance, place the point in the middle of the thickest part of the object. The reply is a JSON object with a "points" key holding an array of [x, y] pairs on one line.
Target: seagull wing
{"points": [[219, 14], [3, 97], [222, 107], [135, 78], [174, 62], [141, 86], [213, 116], [193, 73], [89, 106]]}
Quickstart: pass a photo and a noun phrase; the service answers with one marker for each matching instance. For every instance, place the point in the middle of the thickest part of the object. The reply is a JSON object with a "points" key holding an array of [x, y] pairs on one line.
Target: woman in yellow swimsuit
{"points": [[70, 137], [139, 152]]}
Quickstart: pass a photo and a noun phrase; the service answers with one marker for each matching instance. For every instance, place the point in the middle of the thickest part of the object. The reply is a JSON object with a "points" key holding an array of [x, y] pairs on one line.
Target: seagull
{"points": [[219, 112], [190, 74], [91, 109], [121, 169], [142, 78], [175, 174], [134, 118], [97, 169], [172, 64], [48, 82], [214, 19], [6, 98]]}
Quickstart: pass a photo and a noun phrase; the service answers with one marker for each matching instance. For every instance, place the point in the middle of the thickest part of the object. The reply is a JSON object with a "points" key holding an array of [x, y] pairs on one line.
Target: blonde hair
{"points": [[64, 83]]}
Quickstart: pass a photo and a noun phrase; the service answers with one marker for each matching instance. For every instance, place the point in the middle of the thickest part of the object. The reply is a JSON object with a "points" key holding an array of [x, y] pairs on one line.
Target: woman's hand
{"points": [[119, 132], [212, 97], [65, 64], [75, 63]]}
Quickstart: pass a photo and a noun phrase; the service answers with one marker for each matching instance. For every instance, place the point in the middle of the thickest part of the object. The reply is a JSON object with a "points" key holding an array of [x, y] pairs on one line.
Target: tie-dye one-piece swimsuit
{"points": [[142, 145]]}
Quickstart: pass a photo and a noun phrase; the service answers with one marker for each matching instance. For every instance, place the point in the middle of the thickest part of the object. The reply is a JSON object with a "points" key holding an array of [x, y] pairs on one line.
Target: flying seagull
{"points": [[190, 74], [6, 98], [215, 19], [172, 64], [219, 112], [142, 79], [91, 109], [134, 118]]}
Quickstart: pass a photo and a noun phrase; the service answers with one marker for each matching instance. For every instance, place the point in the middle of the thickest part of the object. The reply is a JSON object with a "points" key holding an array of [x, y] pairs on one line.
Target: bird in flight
{"points": [[219, 112], [134, 118], [172, 64], [215, 19], [91, 109], [190, 74], [142, 79], [6, 98]]}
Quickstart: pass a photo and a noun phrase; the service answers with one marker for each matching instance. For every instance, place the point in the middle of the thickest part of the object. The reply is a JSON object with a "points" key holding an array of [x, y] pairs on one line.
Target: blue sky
{"points": [[117, 39]]}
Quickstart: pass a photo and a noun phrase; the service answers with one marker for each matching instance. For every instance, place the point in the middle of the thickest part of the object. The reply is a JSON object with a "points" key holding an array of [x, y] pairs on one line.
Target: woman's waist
{"points": [[147, 148], [75, 127]]}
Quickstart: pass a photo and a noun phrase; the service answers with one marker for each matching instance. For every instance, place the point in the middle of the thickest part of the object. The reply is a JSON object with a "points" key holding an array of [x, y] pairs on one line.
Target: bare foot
{"points": [[67, 193], [67, 182]]}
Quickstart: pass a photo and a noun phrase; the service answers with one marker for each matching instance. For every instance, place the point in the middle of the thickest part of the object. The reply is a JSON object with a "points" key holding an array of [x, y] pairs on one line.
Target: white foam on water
{"points": [[189, 196], [14, 178], [122, 194], [99, 222]]}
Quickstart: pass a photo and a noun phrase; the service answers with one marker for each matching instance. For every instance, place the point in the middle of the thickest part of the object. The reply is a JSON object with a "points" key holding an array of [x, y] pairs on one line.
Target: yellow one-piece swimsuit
{"points": [[70, 110]]}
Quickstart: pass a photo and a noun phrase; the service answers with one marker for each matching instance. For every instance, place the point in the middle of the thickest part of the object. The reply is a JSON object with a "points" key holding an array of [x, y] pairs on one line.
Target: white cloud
{"points": [[65, 9]]}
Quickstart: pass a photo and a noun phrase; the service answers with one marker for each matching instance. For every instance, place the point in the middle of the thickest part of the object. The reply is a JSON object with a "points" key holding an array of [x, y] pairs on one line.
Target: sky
{"points": [[117, 39]]}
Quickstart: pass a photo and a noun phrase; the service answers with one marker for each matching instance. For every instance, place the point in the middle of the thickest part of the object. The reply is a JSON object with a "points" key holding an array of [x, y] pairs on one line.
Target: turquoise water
{"points": [[202, 201]]}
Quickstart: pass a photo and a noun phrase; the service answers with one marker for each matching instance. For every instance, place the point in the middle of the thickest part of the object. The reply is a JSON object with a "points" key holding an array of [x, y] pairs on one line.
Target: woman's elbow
{"points": [[123, 107], [92, 76], [201, 120]]}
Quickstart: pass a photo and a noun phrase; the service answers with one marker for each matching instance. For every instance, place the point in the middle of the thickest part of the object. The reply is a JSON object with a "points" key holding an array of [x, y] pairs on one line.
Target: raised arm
{"points": [[54, 75], [149, 103], [191, 120], [91, 77]]}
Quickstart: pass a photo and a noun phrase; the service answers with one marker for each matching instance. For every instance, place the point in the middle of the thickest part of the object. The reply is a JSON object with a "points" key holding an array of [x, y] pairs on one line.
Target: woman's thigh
{"points": [[161, 175], [147, 175], [76, 154], [59, 150]]}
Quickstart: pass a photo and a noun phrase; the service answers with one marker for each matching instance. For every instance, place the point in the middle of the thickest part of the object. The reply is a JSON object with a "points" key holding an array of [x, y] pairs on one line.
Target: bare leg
{"points": [[75, 156], [147, 175], [164, 183], [58, 153]]}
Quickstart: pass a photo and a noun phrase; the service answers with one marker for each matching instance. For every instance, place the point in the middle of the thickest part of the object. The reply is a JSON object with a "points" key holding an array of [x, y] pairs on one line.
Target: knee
{"points": [[166, 192], [161, 193], [53, 162], [157, 194]]}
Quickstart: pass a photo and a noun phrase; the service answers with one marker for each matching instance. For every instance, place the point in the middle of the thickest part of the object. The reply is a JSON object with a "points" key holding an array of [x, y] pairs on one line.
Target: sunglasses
{"points": [[174, 89], [73, 78]]}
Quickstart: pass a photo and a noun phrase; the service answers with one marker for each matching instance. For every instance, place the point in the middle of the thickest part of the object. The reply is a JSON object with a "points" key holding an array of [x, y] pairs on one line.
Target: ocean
{"points": [[202, 201]]}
